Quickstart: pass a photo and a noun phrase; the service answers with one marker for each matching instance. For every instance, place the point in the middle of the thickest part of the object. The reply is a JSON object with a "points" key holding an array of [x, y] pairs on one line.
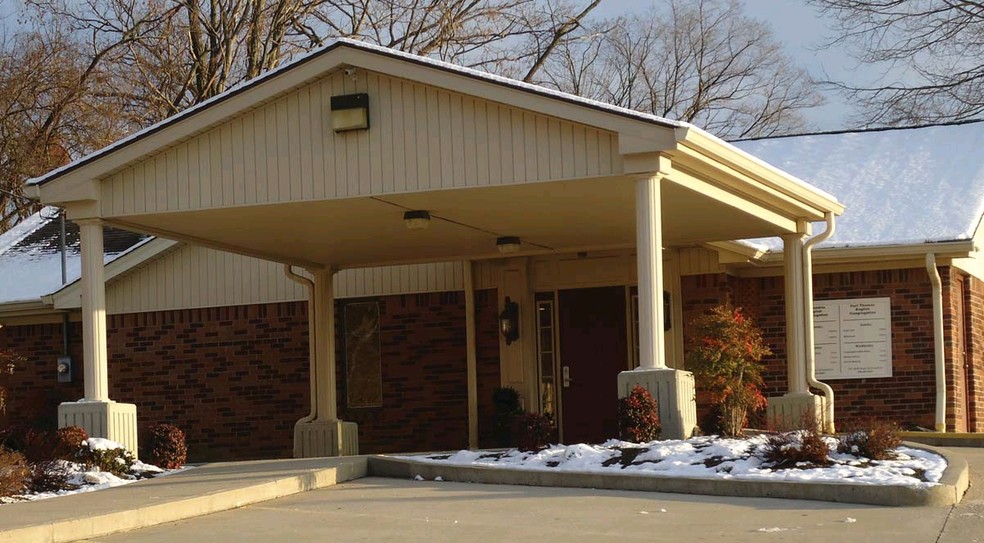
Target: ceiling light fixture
{"points": [[417, 219], [507, 244]]}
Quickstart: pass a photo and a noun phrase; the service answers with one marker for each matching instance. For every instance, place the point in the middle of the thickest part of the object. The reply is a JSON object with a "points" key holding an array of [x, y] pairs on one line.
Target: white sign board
{"points": [[853, 338]]}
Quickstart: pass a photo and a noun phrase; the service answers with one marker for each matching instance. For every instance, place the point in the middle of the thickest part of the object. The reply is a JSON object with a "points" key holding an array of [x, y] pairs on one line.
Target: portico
{"points": [[260, 171]]}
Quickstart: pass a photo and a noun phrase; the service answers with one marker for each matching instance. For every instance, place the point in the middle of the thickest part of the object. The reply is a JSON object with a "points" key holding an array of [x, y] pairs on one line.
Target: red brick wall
{"points": [[33, 388], [907, 397], [236, 378], [425, 387], [974, 314]]}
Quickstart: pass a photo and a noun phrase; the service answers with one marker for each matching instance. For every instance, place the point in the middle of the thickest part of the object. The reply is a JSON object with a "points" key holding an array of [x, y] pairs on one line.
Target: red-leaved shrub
{"points": [[14, 473], [66, 442], [534, 431], [874, 439], [166, 446], [638, 417]]}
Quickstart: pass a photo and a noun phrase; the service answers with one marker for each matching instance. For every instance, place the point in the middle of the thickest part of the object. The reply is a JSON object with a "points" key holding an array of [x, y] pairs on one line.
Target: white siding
{"points": [[285, 150], [192, 277]]}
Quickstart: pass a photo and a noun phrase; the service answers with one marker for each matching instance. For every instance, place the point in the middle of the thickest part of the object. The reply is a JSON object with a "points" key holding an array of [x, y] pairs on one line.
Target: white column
{"points": [[94, 311], [649, 259], [792, 250], [324, 328]]}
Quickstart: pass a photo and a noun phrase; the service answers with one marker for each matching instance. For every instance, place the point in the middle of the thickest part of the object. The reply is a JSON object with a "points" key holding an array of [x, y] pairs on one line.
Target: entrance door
{"points": [[593, 338]]}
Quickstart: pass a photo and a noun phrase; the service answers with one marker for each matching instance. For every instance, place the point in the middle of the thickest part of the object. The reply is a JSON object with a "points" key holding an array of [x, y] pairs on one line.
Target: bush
{"points": [[117, 461], [638, 417], [505, 409], [49, 476], [14, 473], [872, 439], [38, 446], [793, 449], [166, 446], [534, 431], [67, 442], [725, 351], [14, 437]]}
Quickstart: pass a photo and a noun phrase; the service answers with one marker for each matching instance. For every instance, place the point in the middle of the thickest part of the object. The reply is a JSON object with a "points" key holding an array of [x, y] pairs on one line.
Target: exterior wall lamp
{"points": [[509, 321], [507, 244], [417, 219], [350, 112]]}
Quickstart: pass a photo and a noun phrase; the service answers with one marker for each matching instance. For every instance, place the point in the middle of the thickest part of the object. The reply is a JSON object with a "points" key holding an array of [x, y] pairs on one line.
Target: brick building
{"points": [[220, 323]]}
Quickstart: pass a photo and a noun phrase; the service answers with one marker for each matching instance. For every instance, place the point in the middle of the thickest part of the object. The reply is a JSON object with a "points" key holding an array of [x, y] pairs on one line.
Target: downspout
{"points": [[811, 357], [939, 356], [62, 245], [313, 367]]}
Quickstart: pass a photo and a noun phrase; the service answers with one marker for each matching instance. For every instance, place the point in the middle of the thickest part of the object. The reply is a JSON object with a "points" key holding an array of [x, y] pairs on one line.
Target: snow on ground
{"points": [[88, 480], [707, 457]]}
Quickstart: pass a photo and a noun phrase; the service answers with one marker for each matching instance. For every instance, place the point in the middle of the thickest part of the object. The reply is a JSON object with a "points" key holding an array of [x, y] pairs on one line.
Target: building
{"points": [[263, 209]]}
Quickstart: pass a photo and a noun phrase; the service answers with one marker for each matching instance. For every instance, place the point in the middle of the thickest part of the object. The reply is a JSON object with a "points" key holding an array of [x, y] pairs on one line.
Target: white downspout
{"points": [[309, 285], [940, 357], [811, 358]]}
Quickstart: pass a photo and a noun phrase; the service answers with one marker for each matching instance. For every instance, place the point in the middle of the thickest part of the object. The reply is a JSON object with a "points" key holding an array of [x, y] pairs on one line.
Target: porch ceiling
{"points": [[550, 216]]}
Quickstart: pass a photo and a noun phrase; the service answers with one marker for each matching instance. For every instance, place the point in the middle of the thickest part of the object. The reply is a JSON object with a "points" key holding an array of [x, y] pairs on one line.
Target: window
{"points": [[363, 367]]}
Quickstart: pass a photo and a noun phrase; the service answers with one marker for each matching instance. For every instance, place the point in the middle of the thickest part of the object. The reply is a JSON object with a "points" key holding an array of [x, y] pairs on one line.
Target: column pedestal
{"points": [[675, 396], [106, 419], [795, 411], [325, 438]]}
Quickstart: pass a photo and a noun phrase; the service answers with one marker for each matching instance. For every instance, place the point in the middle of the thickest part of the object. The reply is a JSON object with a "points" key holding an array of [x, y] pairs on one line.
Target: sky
{"points": [[802, 31], [797, 25]]}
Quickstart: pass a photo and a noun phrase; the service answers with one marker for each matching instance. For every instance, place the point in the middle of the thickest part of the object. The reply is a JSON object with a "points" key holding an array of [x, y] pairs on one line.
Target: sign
{"points": [[853, 338]]}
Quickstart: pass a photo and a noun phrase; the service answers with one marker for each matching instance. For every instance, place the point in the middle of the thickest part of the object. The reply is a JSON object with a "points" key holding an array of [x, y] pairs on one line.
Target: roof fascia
{"points": [[24, 309], [874, 253], [745, 165]]}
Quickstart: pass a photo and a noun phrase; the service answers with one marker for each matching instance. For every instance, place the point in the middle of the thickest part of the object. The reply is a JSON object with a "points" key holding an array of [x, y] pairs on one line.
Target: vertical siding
{"points": [[421, 138], [192, 277], [697, 260]]}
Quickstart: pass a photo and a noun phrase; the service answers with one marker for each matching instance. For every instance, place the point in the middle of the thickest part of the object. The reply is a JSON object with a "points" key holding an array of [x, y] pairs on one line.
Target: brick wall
{"points": [[974, 314], [908, 396], [236, 378]]}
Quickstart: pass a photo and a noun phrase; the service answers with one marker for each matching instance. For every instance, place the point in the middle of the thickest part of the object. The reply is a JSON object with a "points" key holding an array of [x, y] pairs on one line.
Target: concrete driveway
{"points": [[376, 509]]}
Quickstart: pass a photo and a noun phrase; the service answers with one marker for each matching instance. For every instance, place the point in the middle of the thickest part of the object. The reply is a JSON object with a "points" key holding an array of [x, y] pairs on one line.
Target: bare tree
{"points": [[931, 53], [703, 62], [46, 115]]}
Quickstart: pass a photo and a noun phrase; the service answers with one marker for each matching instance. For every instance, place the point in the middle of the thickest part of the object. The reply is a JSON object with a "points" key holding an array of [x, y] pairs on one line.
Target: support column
{"points": [[798, 407], [326, 435], [96, 413], [672, 389], [471, 356]]}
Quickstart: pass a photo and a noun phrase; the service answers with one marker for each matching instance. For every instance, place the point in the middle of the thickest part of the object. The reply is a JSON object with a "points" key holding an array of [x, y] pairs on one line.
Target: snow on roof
{"points": [[901, 186], [426, 61], [30, 256]]}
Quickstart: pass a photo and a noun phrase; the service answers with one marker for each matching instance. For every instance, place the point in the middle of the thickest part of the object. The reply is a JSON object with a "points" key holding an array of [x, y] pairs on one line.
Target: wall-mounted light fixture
{"points": [[509, 321], [417, 219], [507, 244], [350, 112]]}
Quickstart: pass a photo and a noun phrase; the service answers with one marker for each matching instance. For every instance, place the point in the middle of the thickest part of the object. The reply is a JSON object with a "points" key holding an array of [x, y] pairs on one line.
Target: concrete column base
{"points": [[110, 420], [674, 393], [325, 438], [795, 411]]}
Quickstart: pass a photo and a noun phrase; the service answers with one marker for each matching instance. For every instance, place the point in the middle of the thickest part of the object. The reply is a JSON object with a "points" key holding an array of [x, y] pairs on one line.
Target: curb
{"points": [[951, 489], [86, 527]]}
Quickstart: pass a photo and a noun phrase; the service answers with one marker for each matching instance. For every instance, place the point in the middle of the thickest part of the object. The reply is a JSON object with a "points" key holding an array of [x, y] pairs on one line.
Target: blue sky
{"points": [[801, 30], [795, 24]]}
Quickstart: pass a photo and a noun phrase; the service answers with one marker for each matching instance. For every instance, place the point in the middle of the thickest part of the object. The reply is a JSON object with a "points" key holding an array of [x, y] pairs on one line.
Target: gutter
{"points": [[939, 355], [811, 358]]}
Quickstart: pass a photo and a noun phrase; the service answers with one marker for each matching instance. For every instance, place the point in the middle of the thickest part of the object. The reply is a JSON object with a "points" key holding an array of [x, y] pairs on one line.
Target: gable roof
{"points": [[903, 186], [299, 62], [30, 255]]}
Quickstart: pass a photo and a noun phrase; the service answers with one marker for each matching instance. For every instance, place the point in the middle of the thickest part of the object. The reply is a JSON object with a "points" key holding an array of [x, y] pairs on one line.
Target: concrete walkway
{"points": [[380, 509]]}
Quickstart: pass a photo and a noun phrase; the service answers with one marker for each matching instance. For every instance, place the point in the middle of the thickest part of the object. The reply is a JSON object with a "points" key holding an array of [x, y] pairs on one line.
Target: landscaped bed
{"points": [[711, 457]]}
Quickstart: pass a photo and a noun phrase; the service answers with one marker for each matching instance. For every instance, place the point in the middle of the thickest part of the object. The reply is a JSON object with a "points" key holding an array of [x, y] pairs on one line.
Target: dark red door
{"points": [[592, 331]]}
